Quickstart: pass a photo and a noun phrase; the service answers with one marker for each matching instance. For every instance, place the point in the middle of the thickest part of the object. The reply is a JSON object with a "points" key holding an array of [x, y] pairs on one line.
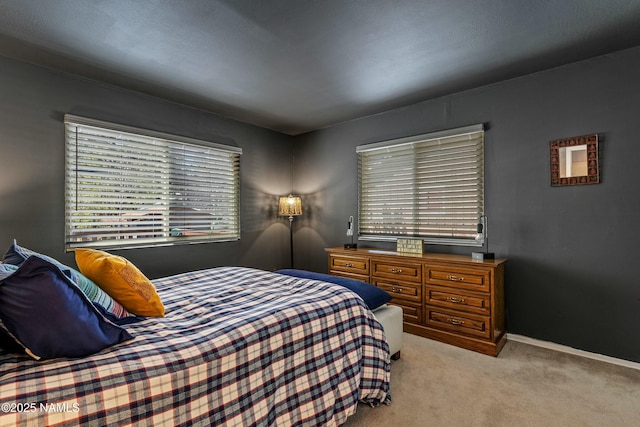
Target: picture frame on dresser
{"points": [[450, 298]]}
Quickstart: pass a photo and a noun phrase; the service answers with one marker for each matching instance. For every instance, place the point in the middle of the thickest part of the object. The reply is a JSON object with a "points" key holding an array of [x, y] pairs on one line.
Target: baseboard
{"points": [[571, 350]]}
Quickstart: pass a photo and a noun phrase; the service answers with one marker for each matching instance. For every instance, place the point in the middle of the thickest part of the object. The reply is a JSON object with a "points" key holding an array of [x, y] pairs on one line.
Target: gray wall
{"points": [[33, 101], [570, 277]]}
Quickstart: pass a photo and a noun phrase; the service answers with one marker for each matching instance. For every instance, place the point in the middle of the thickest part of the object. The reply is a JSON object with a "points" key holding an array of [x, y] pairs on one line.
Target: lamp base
{"points": [[481, 256], [351, 246]]}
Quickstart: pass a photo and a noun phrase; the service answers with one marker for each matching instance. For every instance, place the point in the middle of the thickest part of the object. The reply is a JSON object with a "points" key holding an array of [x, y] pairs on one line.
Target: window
{"points": [[129, 187], [429, 186]]}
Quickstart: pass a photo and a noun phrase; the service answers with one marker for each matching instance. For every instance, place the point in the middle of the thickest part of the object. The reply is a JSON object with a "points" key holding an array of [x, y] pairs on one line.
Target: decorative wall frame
{"points": [[575, 160]]}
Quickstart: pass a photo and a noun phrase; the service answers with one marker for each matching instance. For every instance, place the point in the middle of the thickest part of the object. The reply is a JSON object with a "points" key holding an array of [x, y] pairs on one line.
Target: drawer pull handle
{"points": [[396, 290], [348, 264], [455, 321], [456, 300], [396, 270], [456, 278]]}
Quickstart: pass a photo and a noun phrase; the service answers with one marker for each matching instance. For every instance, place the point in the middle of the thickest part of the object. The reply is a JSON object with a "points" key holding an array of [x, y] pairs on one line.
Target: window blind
{"points": [[429, 186], [130, 187]]}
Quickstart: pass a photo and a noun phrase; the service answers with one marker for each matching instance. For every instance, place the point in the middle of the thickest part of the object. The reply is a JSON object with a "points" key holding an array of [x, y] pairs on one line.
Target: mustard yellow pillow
{"points": [[122, 280]]}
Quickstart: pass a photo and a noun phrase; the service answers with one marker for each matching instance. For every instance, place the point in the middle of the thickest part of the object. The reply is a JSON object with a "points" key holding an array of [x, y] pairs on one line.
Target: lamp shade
{"points": [[290, 205]]}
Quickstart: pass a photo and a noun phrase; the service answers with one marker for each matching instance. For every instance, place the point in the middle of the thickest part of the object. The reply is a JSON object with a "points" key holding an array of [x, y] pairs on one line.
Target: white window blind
{"points": [[429, 186], [129, 187]]}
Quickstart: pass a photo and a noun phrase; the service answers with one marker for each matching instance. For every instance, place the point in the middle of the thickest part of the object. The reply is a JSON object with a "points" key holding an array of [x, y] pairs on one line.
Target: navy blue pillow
{"points": [[49, 316], [6, 341], [373, 296], [16, 255]]}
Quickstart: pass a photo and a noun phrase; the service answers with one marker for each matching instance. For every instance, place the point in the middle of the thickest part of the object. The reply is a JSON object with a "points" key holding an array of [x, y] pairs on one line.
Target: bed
{"points": [[237, 346]]}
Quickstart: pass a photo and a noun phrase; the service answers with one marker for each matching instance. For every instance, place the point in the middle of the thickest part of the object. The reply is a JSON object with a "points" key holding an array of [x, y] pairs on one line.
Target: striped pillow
{"points": [[6, 270]]}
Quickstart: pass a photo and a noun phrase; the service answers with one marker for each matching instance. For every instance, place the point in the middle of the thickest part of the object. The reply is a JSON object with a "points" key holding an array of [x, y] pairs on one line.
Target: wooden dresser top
{"points": [[428, 256]]}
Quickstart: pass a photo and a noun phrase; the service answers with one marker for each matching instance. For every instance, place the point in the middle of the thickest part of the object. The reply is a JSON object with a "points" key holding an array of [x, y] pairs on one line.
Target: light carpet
{"points": [[435, 384]]}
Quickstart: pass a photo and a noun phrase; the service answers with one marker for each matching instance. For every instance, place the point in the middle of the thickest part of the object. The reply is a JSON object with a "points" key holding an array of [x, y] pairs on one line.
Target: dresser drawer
{"points": [[457, 321], [406, 271], [400, 290], [459, 277], [471, 302], [411, 313], [349, 264]]}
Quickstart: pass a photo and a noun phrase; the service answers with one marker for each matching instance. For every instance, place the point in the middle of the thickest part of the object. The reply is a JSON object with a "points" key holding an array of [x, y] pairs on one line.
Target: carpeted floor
{"points": [[435, 384]]}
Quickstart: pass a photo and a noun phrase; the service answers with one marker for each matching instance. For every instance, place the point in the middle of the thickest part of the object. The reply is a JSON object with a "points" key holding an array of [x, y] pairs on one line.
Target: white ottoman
{"points": [[390, 316]]}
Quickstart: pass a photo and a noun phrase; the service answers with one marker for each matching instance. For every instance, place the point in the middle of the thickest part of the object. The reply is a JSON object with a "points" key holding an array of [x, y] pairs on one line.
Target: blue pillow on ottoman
{"points": [[373, 296]]}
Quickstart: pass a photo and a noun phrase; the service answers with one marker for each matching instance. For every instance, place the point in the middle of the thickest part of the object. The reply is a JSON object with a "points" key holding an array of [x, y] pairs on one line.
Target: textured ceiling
{"points": [[299, 65]]}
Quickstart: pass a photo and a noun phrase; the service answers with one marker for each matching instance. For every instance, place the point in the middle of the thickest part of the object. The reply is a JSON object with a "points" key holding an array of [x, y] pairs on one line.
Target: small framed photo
{"points": [[410, 246]]}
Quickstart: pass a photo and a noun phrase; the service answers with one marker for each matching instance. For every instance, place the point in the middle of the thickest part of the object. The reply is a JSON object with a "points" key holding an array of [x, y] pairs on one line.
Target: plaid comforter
{"points": [[238, 347]]}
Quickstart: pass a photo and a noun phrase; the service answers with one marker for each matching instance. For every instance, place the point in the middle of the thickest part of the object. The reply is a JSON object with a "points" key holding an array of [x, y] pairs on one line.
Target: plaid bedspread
{"points": [[237, 347]]}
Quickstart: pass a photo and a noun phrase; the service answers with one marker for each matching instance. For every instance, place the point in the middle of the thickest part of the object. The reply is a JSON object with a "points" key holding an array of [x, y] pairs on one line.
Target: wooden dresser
{"points": [[449, 298]]}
